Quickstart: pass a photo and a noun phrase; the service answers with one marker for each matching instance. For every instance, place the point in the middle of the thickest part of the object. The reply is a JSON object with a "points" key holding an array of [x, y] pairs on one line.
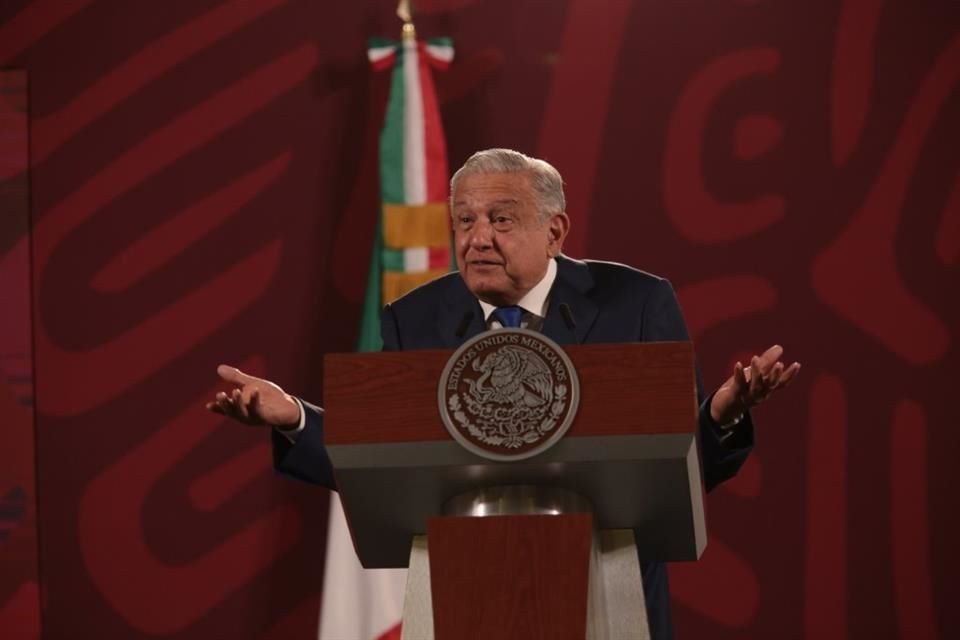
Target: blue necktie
{"points": [[509, 317]]}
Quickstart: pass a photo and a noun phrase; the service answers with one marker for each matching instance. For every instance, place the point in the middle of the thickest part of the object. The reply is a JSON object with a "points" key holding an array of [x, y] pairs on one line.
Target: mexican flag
{"points": [[411, 246], [412, 242]]}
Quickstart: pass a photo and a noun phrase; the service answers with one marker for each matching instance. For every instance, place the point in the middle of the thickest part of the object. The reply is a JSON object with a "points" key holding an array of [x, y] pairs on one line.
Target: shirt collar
{"points": [[535, 301]]}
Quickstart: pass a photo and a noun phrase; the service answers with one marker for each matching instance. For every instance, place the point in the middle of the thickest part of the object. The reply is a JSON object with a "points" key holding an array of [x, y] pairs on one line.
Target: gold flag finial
{"points": [[405, 13]]}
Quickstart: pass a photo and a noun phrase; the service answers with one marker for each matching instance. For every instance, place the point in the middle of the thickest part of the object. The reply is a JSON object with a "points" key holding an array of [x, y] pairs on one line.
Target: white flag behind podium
{"points": [[358, 603]]}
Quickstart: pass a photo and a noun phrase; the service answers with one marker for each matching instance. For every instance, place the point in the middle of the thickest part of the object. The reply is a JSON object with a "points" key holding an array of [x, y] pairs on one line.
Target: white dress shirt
{"points": [[533, 303]]}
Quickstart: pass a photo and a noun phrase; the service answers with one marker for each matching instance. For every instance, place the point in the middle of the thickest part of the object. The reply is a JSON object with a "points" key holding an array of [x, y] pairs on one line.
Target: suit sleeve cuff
{"points": [[293, 434], [733, 435]]}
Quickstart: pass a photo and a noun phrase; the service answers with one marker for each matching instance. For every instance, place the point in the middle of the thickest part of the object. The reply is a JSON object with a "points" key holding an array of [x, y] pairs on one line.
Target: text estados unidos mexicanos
{"points": [[552, 357]]}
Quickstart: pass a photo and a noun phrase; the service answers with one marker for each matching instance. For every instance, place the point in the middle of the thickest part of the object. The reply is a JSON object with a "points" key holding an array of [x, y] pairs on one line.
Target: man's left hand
{"points": [[749, 386]]}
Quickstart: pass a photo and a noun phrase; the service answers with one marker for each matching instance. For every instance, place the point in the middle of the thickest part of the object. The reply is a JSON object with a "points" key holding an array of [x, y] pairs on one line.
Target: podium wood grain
{"points": [[510, 577]]}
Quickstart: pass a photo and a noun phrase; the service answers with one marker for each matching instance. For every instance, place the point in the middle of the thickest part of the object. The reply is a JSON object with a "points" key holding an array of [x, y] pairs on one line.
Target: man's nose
{"points": [[481, 235]]}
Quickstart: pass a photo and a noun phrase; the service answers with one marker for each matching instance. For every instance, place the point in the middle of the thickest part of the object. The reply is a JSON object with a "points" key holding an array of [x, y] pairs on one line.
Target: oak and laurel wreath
{"points": [[511, 441]]}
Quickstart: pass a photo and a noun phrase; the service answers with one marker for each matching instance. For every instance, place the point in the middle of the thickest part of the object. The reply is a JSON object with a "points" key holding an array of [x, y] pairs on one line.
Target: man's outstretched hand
{"points": [[749, 386], [254, 401]]}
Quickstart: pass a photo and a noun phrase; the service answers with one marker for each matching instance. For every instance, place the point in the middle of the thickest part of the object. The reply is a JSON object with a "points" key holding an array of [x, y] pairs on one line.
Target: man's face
{"points": [[503, 245]]}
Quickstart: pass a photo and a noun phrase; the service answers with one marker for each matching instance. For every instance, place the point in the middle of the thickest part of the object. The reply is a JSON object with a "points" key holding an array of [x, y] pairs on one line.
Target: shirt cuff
{"points": [[294, 433], [732, 423]]}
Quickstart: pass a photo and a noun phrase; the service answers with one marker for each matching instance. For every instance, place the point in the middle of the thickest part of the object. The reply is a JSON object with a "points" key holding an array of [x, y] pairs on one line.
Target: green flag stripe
{"points": [[380, 43], [369, 338], [393, 259], [391, 138]]}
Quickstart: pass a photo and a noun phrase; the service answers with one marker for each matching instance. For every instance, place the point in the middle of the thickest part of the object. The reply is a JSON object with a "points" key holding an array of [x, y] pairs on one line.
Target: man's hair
{"points": [[544, 178]]}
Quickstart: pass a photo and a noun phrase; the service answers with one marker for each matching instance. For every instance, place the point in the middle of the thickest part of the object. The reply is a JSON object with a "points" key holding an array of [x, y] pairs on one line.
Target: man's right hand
{"points": [[255, 401]]}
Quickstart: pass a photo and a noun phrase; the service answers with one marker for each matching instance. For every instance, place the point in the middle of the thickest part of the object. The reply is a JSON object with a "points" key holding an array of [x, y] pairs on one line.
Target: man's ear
{"points": [[557, 228]]}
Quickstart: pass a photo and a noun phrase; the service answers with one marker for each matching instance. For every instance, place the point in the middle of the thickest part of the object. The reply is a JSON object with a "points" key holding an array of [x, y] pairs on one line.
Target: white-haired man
{"points": [[509, 223]]}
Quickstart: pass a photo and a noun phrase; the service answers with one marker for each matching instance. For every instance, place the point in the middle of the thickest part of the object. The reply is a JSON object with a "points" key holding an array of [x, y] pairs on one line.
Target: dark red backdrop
{"points": [[203, 189]]}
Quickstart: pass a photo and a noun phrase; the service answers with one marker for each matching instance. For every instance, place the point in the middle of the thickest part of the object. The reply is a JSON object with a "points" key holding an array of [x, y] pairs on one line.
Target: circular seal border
{"points": [[555, 437]]}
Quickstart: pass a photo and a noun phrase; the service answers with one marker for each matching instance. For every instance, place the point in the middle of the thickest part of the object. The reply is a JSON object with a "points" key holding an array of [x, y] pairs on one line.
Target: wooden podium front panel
{"points": [[510, 577], [626, 389], [383, 397]]}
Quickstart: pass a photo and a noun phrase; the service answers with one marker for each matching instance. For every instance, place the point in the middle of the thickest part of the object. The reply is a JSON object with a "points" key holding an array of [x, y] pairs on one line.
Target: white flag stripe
{"points": [[362, 604], [441, 52], [414, 147], [416, 259], [375, 54]]}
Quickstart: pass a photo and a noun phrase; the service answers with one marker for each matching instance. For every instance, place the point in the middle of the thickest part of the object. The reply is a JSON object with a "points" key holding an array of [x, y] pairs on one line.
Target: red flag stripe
{"points": [[438, 258], [434, 146]]}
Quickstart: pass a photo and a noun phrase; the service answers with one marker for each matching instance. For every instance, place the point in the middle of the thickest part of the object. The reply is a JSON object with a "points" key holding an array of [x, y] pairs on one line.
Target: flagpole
{"points": [[405, 13]]}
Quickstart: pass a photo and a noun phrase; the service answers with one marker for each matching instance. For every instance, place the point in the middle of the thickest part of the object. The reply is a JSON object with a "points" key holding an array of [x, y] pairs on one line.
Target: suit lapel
{"points": [[572, 284], [570, 288], [461, 307]]}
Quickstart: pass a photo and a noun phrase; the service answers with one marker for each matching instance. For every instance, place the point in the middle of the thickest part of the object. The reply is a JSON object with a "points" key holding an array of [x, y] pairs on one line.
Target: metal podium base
{"points": [[615, 610]]}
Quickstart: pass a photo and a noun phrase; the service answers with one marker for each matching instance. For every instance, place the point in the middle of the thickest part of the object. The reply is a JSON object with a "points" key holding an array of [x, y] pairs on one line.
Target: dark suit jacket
{"points": [[609, 303]]}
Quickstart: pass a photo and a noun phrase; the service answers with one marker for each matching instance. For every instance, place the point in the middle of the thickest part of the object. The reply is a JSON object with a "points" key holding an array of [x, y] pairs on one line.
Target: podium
{"points": [[546, 547]]}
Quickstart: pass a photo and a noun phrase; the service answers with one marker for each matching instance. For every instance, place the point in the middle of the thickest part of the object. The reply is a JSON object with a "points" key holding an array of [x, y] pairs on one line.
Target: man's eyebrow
{"points": [[502, 202], [497, 203]]}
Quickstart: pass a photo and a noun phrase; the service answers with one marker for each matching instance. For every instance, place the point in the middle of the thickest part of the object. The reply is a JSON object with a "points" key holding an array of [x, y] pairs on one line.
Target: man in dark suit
{"points": [[509, 224]]}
